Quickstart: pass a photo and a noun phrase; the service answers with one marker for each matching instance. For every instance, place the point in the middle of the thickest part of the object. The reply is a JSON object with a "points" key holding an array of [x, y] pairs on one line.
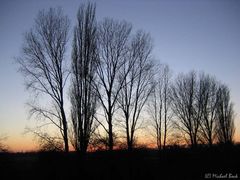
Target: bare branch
{"points": [[42, 63]]}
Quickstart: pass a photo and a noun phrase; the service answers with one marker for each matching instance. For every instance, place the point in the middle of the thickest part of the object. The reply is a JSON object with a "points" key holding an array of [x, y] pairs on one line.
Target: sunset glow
{"points": [[200, 35]]}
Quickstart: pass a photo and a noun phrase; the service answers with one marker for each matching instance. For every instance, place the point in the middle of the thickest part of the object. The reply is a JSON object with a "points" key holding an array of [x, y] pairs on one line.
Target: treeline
{"points": [[112, 81]]}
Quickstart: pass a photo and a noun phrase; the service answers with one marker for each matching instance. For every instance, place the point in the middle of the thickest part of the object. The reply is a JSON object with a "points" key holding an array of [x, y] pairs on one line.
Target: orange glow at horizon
{"points": [[31, 146], [28, 143]]}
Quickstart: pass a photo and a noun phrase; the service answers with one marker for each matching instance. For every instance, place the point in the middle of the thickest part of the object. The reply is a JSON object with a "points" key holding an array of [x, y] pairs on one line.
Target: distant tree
{"points": [[186, 105], [100, 141], [225, 116], [84, 66], [46, 142], [136, 79], [3, 146], [202, 106], [112, 45], [160, 103], [42, 63]]}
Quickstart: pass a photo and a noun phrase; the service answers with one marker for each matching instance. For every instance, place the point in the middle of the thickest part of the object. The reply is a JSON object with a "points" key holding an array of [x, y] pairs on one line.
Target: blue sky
{"points": [[201, 35]]}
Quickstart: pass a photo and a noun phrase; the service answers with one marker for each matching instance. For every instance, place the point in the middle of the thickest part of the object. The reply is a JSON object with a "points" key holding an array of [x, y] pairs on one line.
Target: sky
{"points": [[187, 35]]}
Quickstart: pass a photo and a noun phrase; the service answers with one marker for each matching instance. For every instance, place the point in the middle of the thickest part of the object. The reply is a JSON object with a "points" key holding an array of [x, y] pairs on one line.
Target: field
{"points": [[174, 163]]}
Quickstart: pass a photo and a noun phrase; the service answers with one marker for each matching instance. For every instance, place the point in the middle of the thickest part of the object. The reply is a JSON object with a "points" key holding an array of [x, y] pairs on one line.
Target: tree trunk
{"points": [[110, 133], [210, 140], [130, 145], [159, 137], [65, 133], [128, 137], [165, 130]]}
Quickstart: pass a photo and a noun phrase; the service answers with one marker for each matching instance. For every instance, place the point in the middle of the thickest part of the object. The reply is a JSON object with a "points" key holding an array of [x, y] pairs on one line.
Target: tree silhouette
{"points": [[113, 69], [42, 63], [160, 103], [137, 84], [84, 66], [3, 147], [208, 88], [203, 108], [186, 105], [112, 47], [225, 116]]}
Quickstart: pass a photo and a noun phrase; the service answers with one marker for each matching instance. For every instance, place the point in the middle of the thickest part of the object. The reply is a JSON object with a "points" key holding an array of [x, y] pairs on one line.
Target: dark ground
{"points": [[177, 163]]}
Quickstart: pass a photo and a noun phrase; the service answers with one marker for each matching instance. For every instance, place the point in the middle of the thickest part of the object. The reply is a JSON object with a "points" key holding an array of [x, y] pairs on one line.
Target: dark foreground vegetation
{"points": [[172, 163]]}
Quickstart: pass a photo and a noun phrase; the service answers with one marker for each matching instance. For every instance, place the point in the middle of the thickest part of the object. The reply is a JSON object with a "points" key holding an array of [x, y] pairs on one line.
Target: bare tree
{"points": [[185, 105], [155, 110], [166, 101], [225, 116], [137, 78], [160, 103], [112, 41], [208, 90], [42, 63], [203, 108], [84, 65]]}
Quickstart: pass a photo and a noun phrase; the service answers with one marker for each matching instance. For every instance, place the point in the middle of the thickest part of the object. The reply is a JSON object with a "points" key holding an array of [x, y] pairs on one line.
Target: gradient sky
{"points": [[201, 35]]}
